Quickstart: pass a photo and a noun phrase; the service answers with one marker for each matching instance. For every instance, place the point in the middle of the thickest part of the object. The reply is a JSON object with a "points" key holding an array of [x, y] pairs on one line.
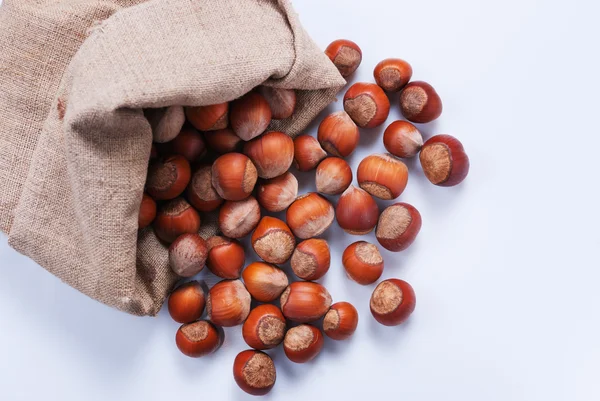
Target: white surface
{"points": [[505, 268]]}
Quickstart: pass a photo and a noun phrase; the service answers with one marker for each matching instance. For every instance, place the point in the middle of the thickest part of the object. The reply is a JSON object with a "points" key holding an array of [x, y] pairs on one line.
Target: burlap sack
{"points": [[74, 143]]}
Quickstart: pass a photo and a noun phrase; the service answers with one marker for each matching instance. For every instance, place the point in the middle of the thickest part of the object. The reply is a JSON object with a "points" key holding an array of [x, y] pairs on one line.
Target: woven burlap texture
{"points": [[74, 143]]}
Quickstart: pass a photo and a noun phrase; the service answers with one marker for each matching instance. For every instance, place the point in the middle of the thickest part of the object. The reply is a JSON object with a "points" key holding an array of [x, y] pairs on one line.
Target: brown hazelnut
{"points": [[308, 152], [175, 218], [311, 259], [199, 338], [310, 215], [398, 227], [420, 103], [382, 176], [444, 161], [402, 139], [341, 321], [233, 176], [363, 262], [278, 193], [250, 115], [254, 372], [189, 144], [226, 257], [166, 122], [228, 303], [333, 176], [273, 240], [305, 301], [338, 134], [392, 302], [208, 118], [200, 191], [356, 211], [367, 104], [264, 328], [302, 343], [345, 54], [264, 281], [186, 302], [392, 74], [147, 212], [238, 219], [282, 101], [223, 141], [187, 255], [271, 153], [168, 178]]}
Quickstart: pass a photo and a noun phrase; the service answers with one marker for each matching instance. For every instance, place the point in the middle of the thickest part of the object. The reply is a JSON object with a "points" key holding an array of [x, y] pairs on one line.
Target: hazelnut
{"points": [[187, 255], [228, 303], [398, 227], [168, 178], [311, 259], [402, 139], [264, 281], [367, 104], [199, 338], [333, 176], [392, 302], [208, 118], [186, 302], [226, 257], [310, 215], [147, 212], [254, 372], [392, 74], [363, 262], [276, 194], [282, 101], [305, 301], [444, 161], [271, 153], [166, 122], [175, 218], [420, 103], [200, 191], [302, 343], [341, 321], [153, 152], [233, 176], [223, 141], [382, 176], [264, 328], [345, 55], [189, 144], [273, 240], [338, 134], [250, 115], [308, 152], [238, 219], [356, 211]]}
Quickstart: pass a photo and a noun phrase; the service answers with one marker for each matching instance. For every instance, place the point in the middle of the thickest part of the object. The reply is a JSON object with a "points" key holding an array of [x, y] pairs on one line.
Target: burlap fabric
{"points": [[74, 143]]}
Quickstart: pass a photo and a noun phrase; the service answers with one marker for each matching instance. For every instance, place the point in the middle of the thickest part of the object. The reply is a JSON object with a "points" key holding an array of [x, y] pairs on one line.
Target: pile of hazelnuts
{"points": [[219, 158]]}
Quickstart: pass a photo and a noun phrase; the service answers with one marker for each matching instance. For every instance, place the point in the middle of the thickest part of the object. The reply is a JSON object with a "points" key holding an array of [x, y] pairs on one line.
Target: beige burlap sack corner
{"points": [[74, 143]]}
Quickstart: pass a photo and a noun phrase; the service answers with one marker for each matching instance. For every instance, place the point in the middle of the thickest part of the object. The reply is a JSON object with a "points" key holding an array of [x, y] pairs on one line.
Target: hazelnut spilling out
{"points": [[238, 219], [201, 193], [228, 303], [367, 104], [356, 211], [305, 301], [402, 139], [166, 122], [254, 372], [444, 161], [264, 281], [302, 343], [189, 144], [282, 101], [273, 240], [392, 302], [311, 259], [147, 212], [234, 176], [382, 176], [420, 103], [338, 134], [168, 178], [223, 141], [345, 55], [271, 153], [341, 321], [398, 227], [333, 176], [392, 74], [187, 255], [310, 215], [226, 257], [278, 193], [250, 116], [186, 302], [209, 118], [264, 328], [363, 262], [198, 339], [175, 218], [308, 152]]}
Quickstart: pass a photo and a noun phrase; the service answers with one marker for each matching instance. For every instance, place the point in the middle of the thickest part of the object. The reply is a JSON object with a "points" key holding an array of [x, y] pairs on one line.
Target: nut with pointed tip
{"points": [[382, 175], [250, 115], [345, 55], [200, 191], [341, 321], [166, 122], [363, 262], [271, 153], [186, 302], [233, 176], [305, 301], [444, 161], [223, 141], [392, 302], [402, 139], [308, 152], [338, 134], [310, 215], [367, 104], [278, 193], [199, 338], [273, 240], [175, 218], [168, 178], [147, 212], [333, 176], [264, 328], [398, 226], [392, 74], [187, 255], [311, 259], [282, 101], [264, 281], [254, 372], [228, 303], [226, 257], [209, 118], [303, 343], [356, 211], [238, 219], [420, 103]]}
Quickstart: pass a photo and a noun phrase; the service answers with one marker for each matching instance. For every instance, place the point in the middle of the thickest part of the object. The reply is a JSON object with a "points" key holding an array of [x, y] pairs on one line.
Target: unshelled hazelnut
{"points": [[338, 134], [189, 144], [278, 193], [200, 191], [264, 328], [226, 257], [363, 262], [302, 343], [233, 176], [238, 219], [382, 176], [392, 74], [444, 161], [367, 104], [147, 212], [228, 303], [223, 141], [402, 139], [420, 103], [310, 215], [250, 115], [199, 338], [187, 255], [166, 122], [272, 153], [356, 211], [311, 259], [308, 152], [392, 302], [264, 281], [340, 321], [175, 218], [273, 241], [209, 118], [398, 227], [333, 176], [254, 372], [305, 301], [168, 178], [186, 302], [282, 101], [345, 54]]}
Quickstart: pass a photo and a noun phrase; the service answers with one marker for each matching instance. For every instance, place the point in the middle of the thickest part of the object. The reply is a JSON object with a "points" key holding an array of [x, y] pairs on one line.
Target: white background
{"points": [[505, 269]]}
